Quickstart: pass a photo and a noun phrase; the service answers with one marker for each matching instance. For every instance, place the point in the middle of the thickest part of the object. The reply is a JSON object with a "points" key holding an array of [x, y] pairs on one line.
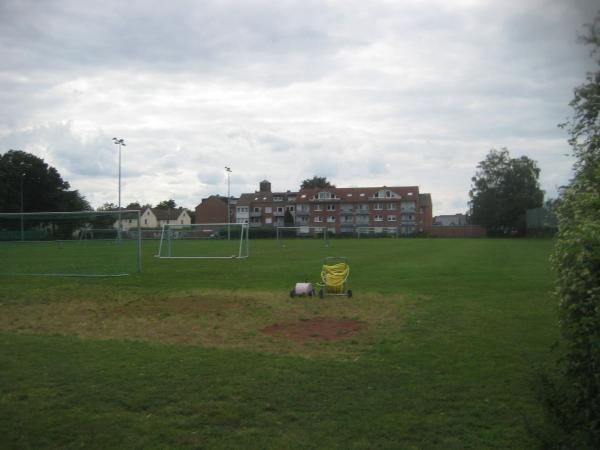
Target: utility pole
{"points": [[22, 227], [119, 142], [228, 169]]}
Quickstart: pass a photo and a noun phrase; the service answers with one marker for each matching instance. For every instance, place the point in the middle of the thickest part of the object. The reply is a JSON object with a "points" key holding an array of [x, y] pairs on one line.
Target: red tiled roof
{"points": [[355, 192]]}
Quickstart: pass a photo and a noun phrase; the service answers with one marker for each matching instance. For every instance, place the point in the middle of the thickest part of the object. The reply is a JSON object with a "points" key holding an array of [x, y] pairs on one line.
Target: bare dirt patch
{"points": [[340, 328], [318, 328]]}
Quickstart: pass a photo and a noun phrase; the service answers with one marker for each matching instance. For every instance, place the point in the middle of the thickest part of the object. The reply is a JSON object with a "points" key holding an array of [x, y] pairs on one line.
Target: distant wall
{"points": [[468, 231]]}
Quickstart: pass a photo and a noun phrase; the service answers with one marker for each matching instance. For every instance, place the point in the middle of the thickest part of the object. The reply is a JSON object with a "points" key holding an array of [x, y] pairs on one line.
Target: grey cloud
{"points": [[85, 157]]}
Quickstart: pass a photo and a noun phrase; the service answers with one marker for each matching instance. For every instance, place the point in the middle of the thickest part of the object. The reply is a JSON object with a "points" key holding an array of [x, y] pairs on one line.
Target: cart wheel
{"points": [[320, 293], [293, 293], [349, 293]]}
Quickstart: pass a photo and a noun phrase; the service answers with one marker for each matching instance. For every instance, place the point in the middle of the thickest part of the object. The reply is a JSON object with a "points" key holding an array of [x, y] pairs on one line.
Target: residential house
{"points": [[450, 220], [213, 209]]}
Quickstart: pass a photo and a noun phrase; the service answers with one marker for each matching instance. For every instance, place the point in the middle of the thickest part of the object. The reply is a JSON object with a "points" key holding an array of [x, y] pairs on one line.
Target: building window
{"points": [[378, 218], [363, 207], [391, 218], [290, 208], [277, 199], [268, 220], [318, 219], [391, 206], [280, 209], [256, 209], [330, 218], [330, 207], [145, 221], [378, 206], [317, 208], [268, 209], [324, 195]]}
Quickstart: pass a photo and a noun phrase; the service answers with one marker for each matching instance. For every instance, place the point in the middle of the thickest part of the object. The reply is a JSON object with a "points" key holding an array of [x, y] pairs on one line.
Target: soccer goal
{"points": [[287, 234], [204, 241], [379, 232], [83, 243]]}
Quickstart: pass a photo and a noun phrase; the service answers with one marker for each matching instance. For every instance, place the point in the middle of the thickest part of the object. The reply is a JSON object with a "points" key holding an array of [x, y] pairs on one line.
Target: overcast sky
{"points": [[366, 93]]}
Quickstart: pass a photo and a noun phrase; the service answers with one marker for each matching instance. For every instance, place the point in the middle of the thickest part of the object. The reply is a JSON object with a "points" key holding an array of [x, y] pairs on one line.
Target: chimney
{"points": [[265, 186]]}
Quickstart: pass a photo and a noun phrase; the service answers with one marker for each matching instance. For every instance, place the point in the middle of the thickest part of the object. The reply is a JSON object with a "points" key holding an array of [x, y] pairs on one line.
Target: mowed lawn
{"points": [[450, 334]]}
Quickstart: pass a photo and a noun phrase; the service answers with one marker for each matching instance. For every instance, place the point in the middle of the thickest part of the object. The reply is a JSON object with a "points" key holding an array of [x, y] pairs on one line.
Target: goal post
{"points": [[204, 241], [79, 243], [302, 232], [377, 232]]}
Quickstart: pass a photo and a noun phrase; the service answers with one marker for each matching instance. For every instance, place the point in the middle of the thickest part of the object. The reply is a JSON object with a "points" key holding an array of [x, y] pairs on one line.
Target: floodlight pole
{"points": [[119, 142], [22, 227], [228, 170]]}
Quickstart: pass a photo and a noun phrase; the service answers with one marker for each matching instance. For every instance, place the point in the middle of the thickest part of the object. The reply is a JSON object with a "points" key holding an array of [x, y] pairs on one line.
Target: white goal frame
{"points": [[165, 239], [377, 232], [303, 229]]}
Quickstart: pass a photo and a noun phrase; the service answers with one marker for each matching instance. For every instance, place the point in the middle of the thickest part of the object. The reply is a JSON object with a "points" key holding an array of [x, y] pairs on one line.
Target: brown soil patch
{"points": [[315, 329]]}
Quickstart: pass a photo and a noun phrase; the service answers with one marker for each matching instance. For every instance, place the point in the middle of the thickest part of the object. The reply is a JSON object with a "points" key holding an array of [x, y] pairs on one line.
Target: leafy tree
{"points": [[166, 204], [288, 219], [576, 260], [503, 189], [43, 187], [134, 205], [108, 207], [316, 182]]}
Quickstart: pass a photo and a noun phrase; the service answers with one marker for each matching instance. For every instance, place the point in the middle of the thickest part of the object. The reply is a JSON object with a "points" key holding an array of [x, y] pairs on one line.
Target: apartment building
{"points": [[265, 208], [341, 210]]}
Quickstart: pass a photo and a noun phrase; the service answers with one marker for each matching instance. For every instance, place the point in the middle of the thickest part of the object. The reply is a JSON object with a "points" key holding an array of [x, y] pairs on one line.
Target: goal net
{"points": [[204, 241], [377, 232], [289, 234], [83, 243]]}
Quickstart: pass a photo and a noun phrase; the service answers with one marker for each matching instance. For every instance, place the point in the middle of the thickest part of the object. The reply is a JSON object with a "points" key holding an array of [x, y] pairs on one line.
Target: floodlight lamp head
{"points": [[228, 169]]}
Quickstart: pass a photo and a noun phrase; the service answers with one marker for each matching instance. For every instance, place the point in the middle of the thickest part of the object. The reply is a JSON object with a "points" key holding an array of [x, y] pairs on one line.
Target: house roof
{"points": [[248, 198], [168, 213], [358, 193], [216, 197]]}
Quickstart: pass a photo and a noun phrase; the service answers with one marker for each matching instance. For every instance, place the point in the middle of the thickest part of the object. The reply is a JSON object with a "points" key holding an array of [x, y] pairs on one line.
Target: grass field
{"points": [[178, 357]]}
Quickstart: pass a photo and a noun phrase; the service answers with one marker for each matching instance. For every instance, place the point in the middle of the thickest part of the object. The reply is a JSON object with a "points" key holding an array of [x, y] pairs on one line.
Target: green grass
{"points": [[175, 357]]}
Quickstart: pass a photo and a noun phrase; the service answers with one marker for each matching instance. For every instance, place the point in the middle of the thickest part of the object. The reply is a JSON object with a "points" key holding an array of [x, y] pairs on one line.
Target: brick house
{"points": [[341, 210], [213, 209]]}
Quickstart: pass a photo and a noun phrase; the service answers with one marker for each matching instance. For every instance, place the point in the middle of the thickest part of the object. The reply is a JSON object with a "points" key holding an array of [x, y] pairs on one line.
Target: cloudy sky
{"points": [[366, 93]]}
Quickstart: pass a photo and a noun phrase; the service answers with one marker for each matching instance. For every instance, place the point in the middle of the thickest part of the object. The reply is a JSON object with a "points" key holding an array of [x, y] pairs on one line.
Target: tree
{"points": [[503, 189], [134, 205], [108, 206], [576, 260], [43, 187], [316, 182], [166, 204], [288, 219]]}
